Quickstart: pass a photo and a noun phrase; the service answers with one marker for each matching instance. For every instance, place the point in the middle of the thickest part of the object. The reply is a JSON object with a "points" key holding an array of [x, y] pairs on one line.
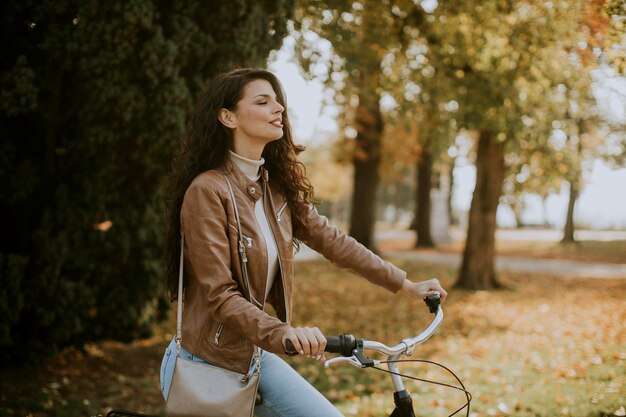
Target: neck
{"points": [[250, 151], [250, 167]]}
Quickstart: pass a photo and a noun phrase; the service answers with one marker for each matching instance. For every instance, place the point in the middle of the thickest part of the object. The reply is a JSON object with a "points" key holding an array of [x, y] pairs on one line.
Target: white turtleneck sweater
{"points": [[252, 168]]}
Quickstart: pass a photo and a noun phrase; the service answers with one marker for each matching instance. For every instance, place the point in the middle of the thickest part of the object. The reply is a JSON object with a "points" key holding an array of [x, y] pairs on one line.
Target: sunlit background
{"points": [[602, 204]]}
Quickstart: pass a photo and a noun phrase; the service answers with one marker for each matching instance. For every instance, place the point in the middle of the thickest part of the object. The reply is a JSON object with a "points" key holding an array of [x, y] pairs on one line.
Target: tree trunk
{"points": [[544, 206], [369, 126], [423, 170], [517, 208], [453, 220], [477, 270], [568, 230]]}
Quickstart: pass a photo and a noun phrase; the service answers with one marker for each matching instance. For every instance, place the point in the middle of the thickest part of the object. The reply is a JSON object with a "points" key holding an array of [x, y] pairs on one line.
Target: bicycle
{"points": [[352, 351]]}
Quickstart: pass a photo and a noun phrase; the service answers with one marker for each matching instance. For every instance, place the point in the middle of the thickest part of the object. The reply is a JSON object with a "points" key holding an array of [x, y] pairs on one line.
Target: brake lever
{"points": [[352, 360]]}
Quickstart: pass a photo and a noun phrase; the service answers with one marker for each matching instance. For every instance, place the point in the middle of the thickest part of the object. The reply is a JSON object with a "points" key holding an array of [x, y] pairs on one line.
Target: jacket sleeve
{"points": [[344, 251], [208, 262]]}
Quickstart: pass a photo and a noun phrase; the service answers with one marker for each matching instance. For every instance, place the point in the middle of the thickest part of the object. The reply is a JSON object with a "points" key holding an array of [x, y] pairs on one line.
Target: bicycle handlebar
{"points": [[352, 348], [352, 351]]}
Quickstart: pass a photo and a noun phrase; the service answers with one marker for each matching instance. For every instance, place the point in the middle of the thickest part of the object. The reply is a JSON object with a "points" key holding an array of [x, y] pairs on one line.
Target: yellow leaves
{"points": [[438, 402], [596, 360], [332, 180], [568, 373], [504, 409], [103, 226]]}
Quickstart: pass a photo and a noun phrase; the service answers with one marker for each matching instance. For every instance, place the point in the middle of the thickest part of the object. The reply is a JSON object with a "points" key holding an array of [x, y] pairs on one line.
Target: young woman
{"points": [[241, 130]]}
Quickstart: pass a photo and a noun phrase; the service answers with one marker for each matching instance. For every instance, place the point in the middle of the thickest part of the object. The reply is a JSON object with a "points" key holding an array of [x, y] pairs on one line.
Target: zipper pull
{"points": [[249, 239], [279, 215], [218, 333]]}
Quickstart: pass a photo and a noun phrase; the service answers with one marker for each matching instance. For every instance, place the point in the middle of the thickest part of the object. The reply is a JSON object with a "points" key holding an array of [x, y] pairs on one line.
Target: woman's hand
{"points": [[419, 290], [308, 341]]}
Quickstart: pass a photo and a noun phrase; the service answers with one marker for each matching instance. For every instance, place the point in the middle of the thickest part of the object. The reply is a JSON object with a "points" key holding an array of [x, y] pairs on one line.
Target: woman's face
{"points": [[257, 119]]}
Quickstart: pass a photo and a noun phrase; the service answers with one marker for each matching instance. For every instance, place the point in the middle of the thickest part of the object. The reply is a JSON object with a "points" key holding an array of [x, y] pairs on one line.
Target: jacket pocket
{"points": [[215, 334], [218, 333], [225, 337], [283, 218]]}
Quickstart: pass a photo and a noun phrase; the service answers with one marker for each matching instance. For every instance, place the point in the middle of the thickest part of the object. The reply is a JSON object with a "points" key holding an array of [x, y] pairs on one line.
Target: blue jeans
{"points": [[285, 393]]}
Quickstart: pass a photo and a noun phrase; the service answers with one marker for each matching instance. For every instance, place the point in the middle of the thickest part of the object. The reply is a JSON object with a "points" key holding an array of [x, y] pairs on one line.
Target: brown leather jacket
{"points": [[219, 324]]}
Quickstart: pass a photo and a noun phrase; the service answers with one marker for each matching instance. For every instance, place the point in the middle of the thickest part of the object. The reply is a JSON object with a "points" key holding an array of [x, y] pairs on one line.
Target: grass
{"points": [[546, 346]]}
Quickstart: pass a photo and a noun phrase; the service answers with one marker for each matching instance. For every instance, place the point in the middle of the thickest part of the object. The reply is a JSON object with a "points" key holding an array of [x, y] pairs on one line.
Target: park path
{"points": [[565, 268], [572, 269]]}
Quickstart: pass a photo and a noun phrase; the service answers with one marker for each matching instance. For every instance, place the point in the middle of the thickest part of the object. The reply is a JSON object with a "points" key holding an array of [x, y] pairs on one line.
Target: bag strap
{"points": [[243, 259], [179, 312]]}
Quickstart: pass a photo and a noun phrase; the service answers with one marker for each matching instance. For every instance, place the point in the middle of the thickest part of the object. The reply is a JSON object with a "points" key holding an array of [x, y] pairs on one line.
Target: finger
{"points": [[291, 336], [313, 342], [321, 342], [442, 293], [304, 342]]}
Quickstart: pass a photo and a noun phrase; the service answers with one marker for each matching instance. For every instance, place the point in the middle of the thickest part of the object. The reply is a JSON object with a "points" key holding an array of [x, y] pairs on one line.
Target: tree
{"points": [[94, 97], [602, 30], [424, 175], [425, 107], [354, 73], [505, 60]]}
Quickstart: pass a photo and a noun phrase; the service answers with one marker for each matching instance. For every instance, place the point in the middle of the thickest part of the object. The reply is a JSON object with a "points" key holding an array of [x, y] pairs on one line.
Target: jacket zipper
{"points": [[218, 333], [280, 263], [257, 359], [281, 211]]}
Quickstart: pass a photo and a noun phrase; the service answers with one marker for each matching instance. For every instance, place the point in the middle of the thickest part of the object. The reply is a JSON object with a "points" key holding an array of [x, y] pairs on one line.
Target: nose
{"points": [[279, 108]]}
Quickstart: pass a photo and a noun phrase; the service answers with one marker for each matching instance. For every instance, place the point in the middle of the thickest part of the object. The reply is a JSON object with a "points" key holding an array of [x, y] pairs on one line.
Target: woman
{"points": [[241, 130]]}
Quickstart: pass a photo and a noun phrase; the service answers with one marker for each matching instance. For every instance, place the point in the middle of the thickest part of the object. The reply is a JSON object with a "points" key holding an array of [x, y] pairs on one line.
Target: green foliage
{"points": [[615, 12], [352, 71], [94, 99]]}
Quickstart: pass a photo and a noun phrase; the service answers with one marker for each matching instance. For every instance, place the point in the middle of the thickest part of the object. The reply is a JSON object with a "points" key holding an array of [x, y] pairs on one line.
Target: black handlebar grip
{"points": [[290, 349], [432, 300], [343, 345]]}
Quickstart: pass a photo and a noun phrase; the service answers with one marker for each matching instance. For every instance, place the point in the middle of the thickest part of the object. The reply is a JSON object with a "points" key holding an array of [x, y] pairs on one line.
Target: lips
{"points": [[277, 122]]}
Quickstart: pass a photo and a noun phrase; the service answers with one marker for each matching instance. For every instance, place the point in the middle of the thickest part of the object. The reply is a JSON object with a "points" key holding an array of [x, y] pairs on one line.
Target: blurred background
{"points": [[482, 142]]}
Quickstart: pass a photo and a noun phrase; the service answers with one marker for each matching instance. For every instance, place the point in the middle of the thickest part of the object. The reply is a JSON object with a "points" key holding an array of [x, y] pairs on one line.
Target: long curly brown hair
{"points": [[205, 146]]}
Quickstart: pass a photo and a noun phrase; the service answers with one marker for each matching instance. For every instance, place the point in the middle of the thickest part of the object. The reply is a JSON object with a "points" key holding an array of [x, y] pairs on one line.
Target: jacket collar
{"points": [[241, 180]]}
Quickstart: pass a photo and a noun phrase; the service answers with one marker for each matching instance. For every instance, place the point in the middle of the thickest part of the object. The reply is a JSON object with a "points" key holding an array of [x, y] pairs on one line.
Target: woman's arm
{"points": [[346, 252]]}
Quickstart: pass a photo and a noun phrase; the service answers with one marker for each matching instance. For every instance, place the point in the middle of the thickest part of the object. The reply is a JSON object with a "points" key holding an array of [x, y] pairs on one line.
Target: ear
{"points": [[227, 118]]}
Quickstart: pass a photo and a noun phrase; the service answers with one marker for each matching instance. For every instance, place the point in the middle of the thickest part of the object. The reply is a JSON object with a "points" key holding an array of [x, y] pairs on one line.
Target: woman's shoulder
{"points": [[208, 185], [208, 179]]}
